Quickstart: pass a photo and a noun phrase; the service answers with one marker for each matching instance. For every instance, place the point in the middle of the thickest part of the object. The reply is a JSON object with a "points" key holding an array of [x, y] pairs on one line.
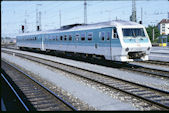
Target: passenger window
{"points": [[102, 36], [90, 36], [56, 38], [70, 37], [77, 37], [65, 38], [53, 37], [83, 36], [108, 35], [61, 37], [50, 38], [45, 38]]}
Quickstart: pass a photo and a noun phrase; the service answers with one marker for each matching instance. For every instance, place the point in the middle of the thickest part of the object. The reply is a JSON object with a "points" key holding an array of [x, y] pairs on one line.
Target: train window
{"points": [[90, 36], [115, 35], [133, 32], [53, 37], [83, 36], [56, 38], [65, 37], [35, 38], [61, 37], [102, 36], [108, 35], [70, 37], [50, 38], [77, 37], [45, 37]]}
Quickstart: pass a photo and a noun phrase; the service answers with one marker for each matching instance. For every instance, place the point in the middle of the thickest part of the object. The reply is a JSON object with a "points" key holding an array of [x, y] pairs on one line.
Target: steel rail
{"points": [[155, 62], [15, 92], [151, 71], [159, 53]]}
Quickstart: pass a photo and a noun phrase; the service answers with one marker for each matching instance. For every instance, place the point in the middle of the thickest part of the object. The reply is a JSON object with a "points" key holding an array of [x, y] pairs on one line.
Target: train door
{"points": [[77, 38], [42, 42], [114, 43], [105, 43], [109, 38]]}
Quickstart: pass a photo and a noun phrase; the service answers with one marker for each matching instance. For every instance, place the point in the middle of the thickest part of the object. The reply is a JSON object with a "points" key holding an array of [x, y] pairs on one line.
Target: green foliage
{"points": [[150, 33]]}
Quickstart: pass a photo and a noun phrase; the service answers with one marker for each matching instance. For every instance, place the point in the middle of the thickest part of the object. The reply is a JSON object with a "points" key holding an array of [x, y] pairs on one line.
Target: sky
{"points": [[14, 13]]}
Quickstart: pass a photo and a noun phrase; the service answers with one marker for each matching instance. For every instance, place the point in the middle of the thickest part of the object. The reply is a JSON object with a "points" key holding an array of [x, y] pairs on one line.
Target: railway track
{"points": [[160, 53], [162, 63], [146, 70], [132, 67], [33, 95], [151, 95]]}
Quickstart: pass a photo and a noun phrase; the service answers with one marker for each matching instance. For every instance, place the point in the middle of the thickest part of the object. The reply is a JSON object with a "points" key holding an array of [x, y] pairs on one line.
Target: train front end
{"points": [[135, 43]]}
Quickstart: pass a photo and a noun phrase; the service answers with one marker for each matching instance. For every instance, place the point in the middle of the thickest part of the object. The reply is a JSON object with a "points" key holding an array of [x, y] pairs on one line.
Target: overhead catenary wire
{"points": [[66, 14]]}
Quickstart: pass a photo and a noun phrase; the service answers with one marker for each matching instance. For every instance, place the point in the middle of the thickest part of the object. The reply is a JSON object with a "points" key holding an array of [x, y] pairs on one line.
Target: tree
{"points": [[150, 33]]}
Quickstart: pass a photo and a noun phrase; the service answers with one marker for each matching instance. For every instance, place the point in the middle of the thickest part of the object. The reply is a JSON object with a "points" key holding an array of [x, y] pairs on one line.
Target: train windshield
{"points": [[133, 32]]}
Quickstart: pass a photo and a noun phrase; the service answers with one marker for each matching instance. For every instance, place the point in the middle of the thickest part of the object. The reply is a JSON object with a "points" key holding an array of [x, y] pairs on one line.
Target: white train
{"points": [[114, 40]]}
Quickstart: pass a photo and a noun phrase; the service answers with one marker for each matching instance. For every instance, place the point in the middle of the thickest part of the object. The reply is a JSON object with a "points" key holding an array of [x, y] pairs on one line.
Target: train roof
{"points": [[75, 27]]}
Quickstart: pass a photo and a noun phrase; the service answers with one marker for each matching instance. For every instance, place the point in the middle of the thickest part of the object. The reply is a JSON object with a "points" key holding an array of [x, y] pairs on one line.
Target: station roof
{"points": [[164, 21]]}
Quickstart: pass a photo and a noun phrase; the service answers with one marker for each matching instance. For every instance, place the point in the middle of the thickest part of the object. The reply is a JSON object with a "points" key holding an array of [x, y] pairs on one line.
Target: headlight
{"points": [[127, 49], [148, 48]]}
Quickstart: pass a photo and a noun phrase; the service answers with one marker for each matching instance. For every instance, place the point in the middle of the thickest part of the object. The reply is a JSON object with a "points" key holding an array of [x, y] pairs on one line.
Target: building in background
{"points": [[8, 40], [163, 27]]}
